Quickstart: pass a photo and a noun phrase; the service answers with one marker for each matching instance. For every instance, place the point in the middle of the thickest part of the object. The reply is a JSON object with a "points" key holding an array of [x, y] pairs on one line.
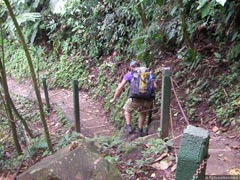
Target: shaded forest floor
{"points": [[224, 147]]}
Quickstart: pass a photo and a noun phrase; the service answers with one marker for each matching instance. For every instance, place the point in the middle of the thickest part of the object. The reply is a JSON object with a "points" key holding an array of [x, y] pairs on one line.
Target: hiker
{"points": [[140, 104]]}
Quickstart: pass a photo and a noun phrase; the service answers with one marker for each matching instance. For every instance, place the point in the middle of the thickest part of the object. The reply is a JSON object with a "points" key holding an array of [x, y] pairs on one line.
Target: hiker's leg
{"points": [[128, 109], [145, 108], [127, 117], [141, 119]]}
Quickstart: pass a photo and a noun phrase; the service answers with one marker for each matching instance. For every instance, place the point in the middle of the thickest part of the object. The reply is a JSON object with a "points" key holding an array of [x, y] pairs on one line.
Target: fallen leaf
{"points": [[224, 129], [156, 166], [226, 159], [161, 157], [153, 175], [215, 129], [165, 164], [236, 147], [238, 100], [220, 155], [228, 148], [96, 162], [174, 167], [234, 171]]}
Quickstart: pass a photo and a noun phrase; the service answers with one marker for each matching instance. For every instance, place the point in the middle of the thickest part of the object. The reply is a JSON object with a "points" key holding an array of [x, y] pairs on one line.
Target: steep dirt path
{"points": [[223, 149], [94, 121]]}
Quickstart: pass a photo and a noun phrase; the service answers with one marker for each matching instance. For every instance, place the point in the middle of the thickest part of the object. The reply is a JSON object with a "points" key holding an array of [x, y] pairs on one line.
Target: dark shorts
{"points": [[140, 105]]}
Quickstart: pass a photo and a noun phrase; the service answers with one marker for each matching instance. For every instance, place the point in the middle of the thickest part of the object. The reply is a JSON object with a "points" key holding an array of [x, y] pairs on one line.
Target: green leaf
{"points": [[217, 55], [205, 10], [159, 2], [234, 37], [201, 4], [173, 10]]}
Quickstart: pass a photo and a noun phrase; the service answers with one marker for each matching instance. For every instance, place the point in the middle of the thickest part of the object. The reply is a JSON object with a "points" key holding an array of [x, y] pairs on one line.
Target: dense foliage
{"points": [[71, 43]]}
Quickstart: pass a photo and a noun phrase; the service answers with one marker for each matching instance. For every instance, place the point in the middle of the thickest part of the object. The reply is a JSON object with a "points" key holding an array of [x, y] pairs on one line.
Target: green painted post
{"points": [[46, 93], [76, 106], [165, 102], [193, 150]]}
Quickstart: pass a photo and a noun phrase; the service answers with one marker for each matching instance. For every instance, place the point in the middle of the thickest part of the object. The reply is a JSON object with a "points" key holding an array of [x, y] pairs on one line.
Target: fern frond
{"points": [[21, 18], [3, 8], [36, 3], [1, 2]]}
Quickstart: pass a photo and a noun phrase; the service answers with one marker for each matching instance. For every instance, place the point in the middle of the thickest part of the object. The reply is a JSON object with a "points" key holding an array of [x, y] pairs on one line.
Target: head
{"points": [[134, 64]]}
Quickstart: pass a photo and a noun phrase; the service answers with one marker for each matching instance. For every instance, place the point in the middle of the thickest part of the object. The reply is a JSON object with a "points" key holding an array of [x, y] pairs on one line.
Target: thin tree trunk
{"points": [[186, 37], [21, 118], [142, 15], [3, 74], [34, 80], [9, 111], [144, 21]]}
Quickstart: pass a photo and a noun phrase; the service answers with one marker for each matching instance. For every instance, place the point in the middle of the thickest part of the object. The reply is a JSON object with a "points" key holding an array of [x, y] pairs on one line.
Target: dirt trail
{"points": [[224, 150], [93, 119]]}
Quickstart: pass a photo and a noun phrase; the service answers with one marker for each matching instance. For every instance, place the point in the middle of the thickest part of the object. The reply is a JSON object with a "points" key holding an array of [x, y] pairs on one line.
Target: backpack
{"points": [[142, 84]]}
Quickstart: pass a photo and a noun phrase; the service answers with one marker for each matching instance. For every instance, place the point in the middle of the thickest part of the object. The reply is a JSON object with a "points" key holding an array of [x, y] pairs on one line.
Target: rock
{"points": [[153, 127], [82, 162], [156, 116]]}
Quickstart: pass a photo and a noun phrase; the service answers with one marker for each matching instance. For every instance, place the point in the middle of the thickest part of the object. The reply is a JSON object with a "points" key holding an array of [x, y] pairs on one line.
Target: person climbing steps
{"points": [[142, 92]]}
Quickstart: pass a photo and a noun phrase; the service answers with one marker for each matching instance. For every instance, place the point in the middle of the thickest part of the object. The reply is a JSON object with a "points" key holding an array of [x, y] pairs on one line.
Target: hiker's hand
{"points": [[112, 100]]}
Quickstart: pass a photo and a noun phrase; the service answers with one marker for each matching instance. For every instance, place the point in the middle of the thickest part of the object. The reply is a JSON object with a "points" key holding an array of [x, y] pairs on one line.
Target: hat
{"points": [[133, 63]]}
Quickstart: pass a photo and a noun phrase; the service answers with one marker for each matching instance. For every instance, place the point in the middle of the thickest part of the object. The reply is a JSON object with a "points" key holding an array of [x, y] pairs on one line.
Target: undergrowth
{"points": [[218, 90], [34, 147], [212, 90], [134, 157]]}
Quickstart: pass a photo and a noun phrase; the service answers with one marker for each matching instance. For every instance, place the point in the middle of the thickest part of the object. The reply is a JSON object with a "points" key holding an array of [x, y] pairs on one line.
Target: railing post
{"points": [[46, 93], [165, 102], [193, 153], [76, 106]]}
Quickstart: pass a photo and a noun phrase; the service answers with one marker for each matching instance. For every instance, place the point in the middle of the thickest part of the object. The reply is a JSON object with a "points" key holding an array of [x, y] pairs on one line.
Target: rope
{"points": [[172, 131], [157, 107], [179, 104], [147, 110]]}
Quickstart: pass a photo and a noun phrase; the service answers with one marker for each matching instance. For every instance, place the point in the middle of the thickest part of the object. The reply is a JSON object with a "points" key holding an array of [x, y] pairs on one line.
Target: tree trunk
{"points": [[9, 111], [34, 80], [21, 118], [142, 15], [3, 74], [186, 38]]}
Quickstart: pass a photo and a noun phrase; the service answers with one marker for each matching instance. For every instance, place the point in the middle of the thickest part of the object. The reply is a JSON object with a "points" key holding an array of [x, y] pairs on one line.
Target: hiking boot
{"points": [[128, 129], [140, 132]]}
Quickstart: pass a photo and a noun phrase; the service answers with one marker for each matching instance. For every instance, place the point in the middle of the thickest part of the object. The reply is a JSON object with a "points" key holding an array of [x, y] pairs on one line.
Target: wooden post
{"points": [[193, 152], [165, 102], [46, 94], [76, 106]]}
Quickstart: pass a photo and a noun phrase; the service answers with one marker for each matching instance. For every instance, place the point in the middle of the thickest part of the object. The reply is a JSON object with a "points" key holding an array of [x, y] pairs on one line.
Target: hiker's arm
{"points": [[118, 90]]}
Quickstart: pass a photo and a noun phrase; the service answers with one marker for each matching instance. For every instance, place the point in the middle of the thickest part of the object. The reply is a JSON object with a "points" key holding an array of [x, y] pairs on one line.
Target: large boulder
{"points": [[78, 161]]}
